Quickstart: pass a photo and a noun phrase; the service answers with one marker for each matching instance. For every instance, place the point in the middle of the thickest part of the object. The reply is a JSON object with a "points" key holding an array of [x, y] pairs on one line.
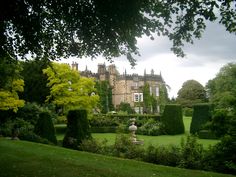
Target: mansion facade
{"points": [[125, 87]]}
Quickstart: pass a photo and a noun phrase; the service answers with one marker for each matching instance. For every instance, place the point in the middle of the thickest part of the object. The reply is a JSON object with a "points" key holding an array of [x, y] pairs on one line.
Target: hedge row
{"points": [[172, 119], [201, 115]]}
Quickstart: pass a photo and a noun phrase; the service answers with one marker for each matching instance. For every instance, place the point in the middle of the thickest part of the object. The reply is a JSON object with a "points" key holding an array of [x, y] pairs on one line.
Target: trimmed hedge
{"points": [[44, 127], [201, 115], [172, 119], [77, 129]]}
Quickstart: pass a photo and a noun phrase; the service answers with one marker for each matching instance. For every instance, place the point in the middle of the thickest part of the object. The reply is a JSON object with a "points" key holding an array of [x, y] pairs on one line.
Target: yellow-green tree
{"points": [[10, 84], [69, 90]]}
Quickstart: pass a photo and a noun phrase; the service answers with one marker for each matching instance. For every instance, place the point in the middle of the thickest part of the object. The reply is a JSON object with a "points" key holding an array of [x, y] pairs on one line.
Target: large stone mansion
{"points": [[125, 87]]}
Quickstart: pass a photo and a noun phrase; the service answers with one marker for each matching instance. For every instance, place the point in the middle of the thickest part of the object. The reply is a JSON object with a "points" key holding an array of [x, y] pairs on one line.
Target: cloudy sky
{"points": [[203, 61]]}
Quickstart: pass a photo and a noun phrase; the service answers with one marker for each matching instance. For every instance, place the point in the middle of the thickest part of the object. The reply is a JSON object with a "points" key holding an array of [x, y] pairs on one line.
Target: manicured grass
{"points": [[20, 158], [154, 140]]}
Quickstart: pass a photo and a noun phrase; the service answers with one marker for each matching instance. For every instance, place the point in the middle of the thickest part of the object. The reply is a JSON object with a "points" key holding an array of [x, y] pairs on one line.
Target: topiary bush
{"points": [[45, 128], [201, 115], [172, 119], [77, 129]]}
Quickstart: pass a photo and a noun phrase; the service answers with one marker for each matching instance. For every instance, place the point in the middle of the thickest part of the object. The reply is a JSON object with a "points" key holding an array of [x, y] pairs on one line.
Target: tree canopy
{"points": [[221, 89], [35, 88], [10, 84], [68, 90], [192, 92], [52, 29]]}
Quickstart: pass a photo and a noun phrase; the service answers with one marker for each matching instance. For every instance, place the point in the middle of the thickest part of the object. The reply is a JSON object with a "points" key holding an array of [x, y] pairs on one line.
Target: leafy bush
{"points": [[30, 112], [220, 123], [222, 157], [151, 127], [21, 125], [172, 119], [163, 155], [188, 112], [77, 129], [45, 128], [201, 115], [191, 153], [124, 148]]}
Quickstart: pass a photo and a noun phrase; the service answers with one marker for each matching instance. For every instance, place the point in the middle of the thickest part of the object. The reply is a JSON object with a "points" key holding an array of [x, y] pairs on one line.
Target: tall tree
{"points": [[68, 90], [60, 28], [35, 89], [10, 84], [221, 90], [105, 93], [192, 92]]}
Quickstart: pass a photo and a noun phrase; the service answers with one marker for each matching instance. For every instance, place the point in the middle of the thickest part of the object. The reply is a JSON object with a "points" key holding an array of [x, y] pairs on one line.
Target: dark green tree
{"points": [[105, 93], [45, 128], [202, 113], [77, 129], [52, 29], [172, 119], [192, 92], [35, 89]]}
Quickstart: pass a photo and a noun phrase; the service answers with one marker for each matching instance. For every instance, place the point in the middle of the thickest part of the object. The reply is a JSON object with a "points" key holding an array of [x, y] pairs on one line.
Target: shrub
{"points": [[172, 119], [222, 157], [21, 125], [151, 127], [124, 148], [45, 128], [163, 155], [188, 112], [77, 129], [201, 115], [30, 112], [191, 153]]}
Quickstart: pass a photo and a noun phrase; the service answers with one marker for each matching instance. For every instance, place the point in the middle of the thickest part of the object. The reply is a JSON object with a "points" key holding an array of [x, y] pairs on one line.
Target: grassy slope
{"points": [[19, 158]]}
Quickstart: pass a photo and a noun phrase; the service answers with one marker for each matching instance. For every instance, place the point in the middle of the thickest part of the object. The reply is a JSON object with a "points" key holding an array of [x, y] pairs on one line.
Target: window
{"points": [[157, 91], [138, 97]]}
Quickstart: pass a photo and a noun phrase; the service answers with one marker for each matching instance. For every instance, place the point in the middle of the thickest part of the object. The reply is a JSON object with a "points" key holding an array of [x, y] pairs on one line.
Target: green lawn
{"points": [[154, 140], [27, 159]]}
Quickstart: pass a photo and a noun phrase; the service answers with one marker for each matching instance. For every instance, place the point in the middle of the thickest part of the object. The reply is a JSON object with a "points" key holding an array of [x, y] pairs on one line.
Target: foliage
{"points": [[192, 153], [221, 89], [125, 107], [172, 119], [124, 148], [188, 112], [192, 92], [30, 112], [22, 126], [163, 155], [77, 129], [45, 128], [109, 28], [221, 157], [163, 98], [35, 88], [10, 84], [147, 99], [105, 94], [201, 115], [152, 128], [68, 90]]}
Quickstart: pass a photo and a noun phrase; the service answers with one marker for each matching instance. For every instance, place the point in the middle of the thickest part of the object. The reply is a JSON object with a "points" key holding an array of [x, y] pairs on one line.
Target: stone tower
{"points": [[102, 72]]}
